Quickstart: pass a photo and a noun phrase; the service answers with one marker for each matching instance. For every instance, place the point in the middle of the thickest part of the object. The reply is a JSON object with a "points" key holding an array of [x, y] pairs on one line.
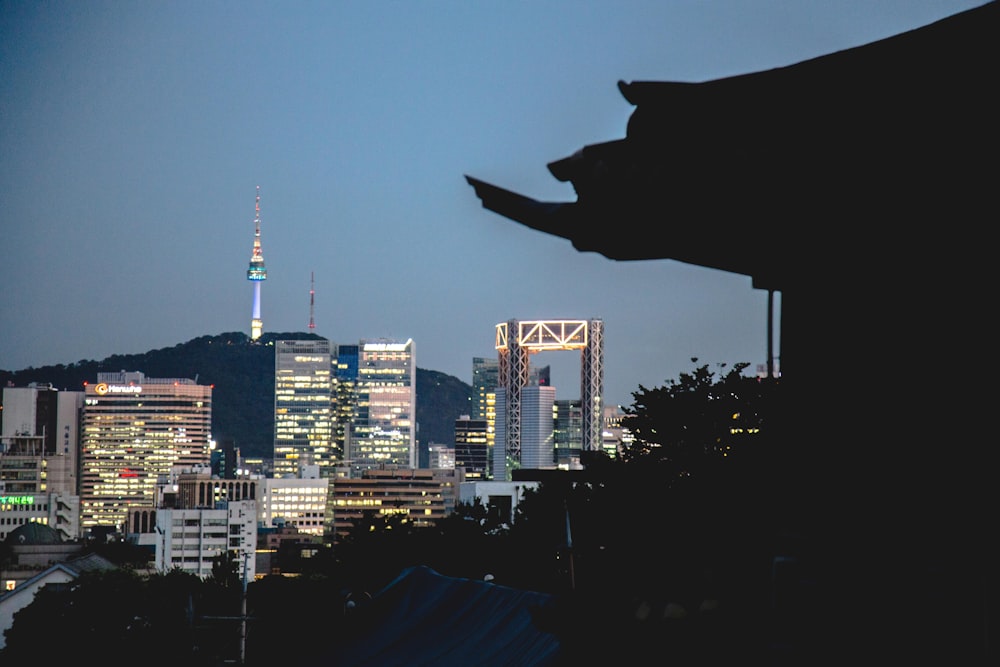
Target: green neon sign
{"points": [[17, 500]]}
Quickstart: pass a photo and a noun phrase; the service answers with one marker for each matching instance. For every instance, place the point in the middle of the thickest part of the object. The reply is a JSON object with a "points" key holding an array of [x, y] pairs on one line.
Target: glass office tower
{"points": [[384, 430], [303, 413]]}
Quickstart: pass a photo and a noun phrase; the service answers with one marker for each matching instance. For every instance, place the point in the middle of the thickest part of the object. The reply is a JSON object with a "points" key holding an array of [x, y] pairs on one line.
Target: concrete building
{"points": [[415, 493], [135, 430], [297, 502], [192, 539], [499, 496], [440, 456], [39, 447]]}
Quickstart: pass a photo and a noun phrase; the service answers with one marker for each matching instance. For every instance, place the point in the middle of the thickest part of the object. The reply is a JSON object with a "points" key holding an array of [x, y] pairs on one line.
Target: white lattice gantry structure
{"points": [[517, 340]]}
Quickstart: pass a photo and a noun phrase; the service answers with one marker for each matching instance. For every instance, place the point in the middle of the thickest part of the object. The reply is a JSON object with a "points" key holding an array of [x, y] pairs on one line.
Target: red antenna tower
{"points": [[312, 293]]}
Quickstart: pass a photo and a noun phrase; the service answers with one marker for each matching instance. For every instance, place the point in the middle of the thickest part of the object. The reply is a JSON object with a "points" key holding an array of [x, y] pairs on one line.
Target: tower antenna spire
{"points": [[312, 293], [256, 274]]}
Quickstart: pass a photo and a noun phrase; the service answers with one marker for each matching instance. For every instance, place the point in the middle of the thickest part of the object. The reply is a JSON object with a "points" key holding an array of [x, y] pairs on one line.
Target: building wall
{"points": [[135, 430], [537, 444], [417, 493], [39, 444], [301, 503], [472, 446], [303, 409], [485, 380], [568, 432], [384, 431], [190, 539], [345, 370], [503, 495]]}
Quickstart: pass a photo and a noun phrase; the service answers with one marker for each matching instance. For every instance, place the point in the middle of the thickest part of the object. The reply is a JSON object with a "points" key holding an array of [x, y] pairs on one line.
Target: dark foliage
{"points": [[680, 522], [242, 373], [118, 615]]}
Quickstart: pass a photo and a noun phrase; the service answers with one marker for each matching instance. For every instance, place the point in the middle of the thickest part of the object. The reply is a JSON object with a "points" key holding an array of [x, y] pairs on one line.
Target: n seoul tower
{"points": [[256, 274]]}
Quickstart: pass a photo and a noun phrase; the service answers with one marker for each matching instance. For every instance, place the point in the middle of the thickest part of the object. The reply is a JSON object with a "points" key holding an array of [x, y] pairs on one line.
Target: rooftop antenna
{"points": [[312, 293]]}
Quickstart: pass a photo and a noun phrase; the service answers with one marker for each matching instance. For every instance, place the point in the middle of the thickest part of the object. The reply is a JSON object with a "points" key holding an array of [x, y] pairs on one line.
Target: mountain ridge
{"points": [[242, 374]]}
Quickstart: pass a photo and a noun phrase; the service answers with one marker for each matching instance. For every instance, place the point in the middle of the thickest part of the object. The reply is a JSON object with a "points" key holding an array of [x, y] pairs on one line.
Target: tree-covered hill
{"points": [[242, 372]]}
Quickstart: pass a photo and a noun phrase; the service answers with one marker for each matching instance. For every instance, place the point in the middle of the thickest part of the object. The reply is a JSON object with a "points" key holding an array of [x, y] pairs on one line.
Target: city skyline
{"points": [[135, 138]]}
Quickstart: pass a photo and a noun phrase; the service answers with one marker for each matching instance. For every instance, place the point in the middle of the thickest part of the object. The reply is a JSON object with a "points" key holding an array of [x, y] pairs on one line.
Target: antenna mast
{"points": [[312, 292]]}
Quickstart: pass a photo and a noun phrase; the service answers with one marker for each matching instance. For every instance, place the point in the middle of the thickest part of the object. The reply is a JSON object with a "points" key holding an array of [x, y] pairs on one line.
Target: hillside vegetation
{"points": [[242, 373]]}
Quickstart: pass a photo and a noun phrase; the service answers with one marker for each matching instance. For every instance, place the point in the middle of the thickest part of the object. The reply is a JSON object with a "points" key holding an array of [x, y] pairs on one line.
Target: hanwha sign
{"points": [[103, 389]]}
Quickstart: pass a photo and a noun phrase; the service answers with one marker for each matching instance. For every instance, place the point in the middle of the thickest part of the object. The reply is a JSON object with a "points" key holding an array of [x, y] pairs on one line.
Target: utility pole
{"points": [[243, 609]]}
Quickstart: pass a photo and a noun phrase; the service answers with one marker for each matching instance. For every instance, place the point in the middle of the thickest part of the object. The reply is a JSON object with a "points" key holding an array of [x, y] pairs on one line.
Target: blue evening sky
{"points": [[133, 136]]}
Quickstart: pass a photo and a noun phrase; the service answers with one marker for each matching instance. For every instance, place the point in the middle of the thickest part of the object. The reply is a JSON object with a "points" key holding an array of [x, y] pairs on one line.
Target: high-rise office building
{"points": [[345, 382], [472, 447], [384, 429], [536, 446], [39, 446], [537, 439], [135, 430], [303, 411], [485, 380], [568, 432]]}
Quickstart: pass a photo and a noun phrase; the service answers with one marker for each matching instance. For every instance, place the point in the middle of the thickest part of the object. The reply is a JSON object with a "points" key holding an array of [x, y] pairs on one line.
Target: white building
{"points": [[294, 502], [191, 539], [501, 496]]}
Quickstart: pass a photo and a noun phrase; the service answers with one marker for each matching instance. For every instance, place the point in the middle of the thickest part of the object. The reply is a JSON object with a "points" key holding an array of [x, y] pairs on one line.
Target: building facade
{"points": [[192, 539], [303, 410], [297, 502], [39, 446], [537, 428], [345, 401], [135, 430], [567, 432], [472, 446], [391, 490], [384, 428]]}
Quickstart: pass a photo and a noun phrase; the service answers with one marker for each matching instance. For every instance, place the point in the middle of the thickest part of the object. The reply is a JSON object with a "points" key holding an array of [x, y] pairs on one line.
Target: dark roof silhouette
{"points": [[732, 173], [425, 618], [861, 185], [33, 532]]}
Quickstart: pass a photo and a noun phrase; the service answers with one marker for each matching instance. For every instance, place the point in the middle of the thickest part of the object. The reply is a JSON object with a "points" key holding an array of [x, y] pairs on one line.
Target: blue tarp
{"points": [[425, 618]]}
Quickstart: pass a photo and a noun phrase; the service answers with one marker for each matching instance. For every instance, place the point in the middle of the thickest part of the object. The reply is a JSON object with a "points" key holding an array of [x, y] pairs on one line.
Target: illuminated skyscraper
{"points": [[345, 382], [384, 430], [485, 380], [135, 430], [471, 447], [303, 411], [256, 274]]}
